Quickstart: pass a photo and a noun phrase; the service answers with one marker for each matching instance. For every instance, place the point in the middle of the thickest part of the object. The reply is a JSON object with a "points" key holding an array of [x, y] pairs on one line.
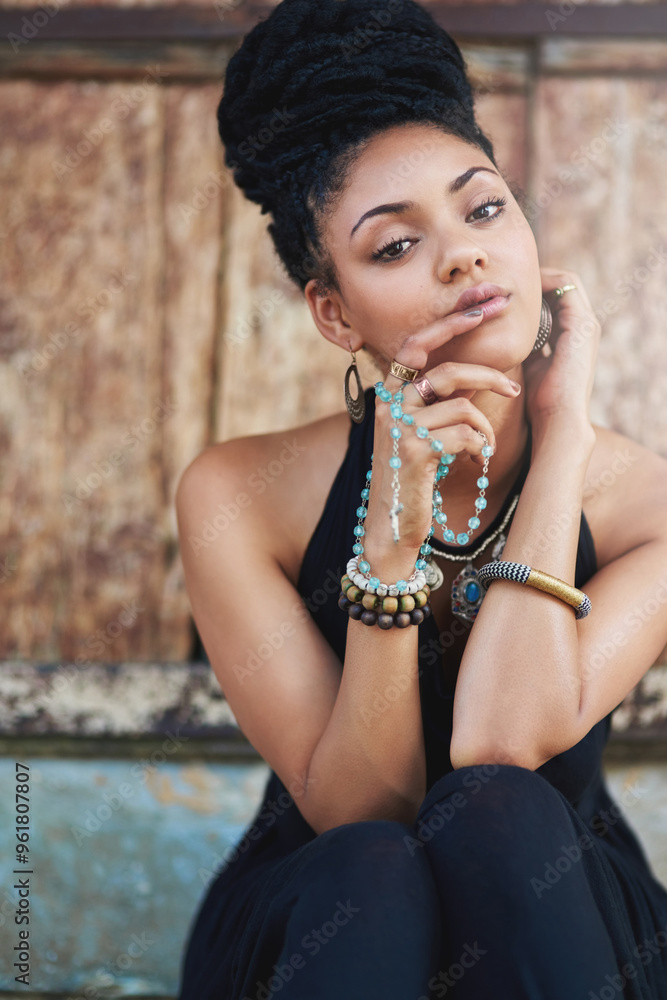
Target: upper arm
{"points": [[626, 630], [278, 673]]}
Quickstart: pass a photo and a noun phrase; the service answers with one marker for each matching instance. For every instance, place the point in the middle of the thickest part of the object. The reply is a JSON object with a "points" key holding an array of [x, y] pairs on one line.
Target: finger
{"points": [[553, 278], [456, 411], [461, 436], [415, 349], [456, 377]]}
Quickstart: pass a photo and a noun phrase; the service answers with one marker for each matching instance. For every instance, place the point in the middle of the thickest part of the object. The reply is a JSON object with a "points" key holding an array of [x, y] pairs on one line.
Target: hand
{"points": [[560, 383], [454, 420]]}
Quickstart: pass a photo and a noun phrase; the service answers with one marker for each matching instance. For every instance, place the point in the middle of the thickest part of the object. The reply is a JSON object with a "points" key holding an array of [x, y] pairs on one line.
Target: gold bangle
{"points": [[521, 573], [554, 585]]}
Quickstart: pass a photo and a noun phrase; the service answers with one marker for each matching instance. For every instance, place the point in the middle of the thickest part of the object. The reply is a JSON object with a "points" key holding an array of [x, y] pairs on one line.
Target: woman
{"points": [[436, 816]]}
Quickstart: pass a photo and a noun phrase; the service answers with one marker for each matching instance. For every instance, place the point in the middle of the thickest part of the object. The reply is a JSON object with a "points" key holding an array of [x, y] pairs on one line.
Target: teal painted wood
{"points": [[121, 850]]}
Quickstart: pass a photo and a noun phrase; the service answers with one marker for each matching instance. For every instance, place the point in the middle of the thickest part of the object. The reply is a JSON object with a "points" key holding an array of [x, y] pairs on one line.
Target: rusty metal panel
{"points": [[598, 204], [109, 308], [120, 854]]}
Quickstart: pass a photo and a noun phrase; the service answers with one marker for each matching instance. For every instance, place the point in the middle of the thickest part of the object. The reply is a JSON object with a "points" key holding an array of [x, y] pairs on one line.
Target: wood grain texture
{"points": [[195, 197], [109, 305], [599, 204]]}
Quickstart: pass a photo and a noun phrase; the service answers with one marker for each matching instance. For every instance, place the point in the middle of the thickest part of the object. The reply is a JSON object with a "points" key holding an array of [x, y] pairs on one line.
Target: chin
{"points": [[484, 347]]}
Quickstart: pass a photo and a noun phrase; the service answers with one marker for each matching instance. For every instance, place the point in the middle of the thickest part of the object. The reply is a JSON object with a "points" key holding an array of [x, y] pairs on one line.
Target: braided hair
{"points": [[308, 88]]}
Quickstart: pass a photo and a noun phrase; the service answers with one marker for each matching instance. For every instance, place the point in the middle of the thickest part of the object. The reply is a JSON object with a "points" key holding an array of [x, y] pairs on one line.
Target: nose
{"points": [[458, 252]]}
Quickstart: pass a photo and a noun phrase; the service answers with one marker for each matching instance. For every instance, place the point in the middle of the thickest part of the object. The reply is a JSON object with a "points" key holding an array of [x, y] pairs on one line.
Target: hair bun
{"points": [[314, 68], [314, 80]]}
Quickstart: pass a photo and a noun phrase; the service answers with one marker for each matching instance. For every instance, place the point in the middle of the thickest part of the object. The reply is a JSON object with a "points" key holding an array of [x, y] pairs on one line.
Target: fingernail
{"points": [[474, 312], [515, 385]]}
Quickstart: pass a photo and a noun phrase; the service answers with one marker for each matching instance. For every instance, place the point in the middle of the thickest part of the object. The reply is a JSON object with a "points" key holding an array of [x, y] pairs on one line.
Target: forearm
{"points": [[370, 761], [519, 683]]}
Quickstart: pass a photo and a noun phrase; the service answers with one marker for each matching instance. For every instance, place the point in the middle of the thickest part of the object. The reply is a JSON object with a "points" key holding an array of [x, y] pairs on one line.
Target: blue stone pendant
{"points": [[467, 592]]}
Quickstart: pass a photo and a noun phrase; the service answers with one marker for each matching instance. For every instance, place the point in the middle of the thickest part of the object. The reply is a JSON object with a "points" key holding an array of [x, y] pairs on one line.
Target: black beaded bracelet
{"points": [[385, 612]]}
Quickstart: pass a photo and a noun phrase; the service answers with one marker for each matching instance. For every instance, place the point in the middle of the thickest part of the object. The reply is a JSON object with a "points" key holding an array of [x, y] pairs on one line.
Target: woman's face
{"points": [[402, 270]]}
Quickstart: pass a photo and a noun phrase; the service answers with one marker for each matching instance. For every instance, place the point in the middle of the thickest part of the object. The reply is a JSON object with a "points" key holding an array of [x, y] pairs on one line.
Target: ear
{"points": [[328, 318]]}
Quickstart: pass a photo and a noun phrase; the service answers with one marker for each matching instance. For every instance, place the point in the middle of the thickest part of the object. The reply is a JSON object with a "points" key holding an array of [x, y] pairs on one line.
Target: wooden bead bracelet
{"points": [[386, 612]]}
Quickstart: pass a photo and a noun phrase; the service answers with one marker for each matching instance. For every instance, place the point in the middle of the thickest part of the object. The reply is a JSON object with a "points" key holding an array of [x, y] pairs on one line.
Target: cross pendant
{"points": [[393, 514]]}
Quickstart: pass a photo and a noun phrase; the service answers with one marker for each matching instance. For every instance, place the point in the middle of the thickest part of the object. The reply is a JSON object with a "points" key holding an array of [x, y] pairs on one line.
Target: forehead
{"points": [[405, 162]]}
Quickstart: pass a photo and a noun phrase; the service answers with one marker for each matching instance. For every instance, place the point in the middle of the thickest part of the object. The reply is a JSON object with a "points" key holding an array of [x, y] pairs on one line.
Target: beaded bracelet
{"points": [[386, 612], [372, 585]]}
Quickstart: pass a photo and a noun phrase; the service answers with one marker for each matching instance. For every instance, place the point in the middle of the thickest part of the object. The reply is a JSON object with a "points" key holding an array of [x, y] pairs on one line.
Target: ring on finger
{"points": [[403, 372], [425, 390]]}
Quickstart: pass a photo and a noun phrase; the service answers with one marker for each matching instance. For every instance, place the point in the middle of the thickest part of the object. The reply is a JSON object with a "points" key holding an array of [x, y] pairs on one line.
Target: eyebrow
{"points": [[398, 207]]}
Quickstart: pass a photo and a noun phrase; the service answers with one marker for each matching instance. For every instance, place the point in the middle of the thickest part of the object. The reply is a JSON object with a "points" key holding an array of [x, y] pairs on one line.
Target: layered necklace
{"points": [[467, 594]]}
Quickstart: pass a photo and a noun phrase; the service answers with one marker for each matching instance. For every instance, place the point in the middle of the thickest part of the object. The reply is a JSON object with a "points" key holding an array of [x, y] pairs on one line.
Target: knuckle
{"points": [[467, 407]]}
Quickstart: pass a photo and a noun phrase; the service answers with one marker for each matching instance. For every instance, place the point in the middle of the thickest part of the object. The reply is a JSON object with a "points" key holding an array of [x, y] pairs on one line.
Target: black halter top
{"points": [[325, 561]]}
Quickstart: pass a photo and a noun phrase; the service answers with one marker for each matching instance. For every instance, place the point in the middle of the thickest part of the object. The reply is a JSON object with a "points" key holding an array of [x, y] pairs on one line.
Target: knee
{"points": [[372, 858], [497, 797]]}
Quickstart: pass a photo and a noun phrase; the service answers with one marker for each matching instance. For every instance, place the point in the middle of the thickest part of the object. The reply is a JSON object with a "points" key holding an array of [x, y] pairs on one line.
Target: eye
{"points": [[379, 255], [499, 202]]}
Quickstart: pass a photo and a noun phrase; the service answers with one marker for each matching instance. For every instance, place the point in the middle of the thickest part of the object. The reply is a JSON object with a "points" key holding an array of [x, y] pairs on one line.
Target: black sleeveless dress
{"points": [[512, 883]]}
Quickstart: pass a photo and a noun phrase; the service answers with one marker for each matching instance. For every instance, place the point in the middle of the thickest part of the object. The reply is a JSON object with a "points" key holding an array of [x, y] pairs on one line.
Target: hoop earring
{"points": [[355, 407], [544, 329]]}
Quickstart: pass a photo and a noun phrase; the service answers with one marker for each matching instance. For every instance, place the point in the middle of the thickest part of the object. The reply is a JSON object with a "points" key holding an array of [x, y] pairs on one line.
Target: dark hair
{"points": [[307, 89]]}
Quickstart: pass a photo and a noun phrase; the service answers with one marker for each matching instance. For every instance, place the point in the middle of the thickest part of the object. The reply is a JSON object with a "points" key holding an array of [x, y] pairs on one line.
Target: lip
{"points": [[473, 296], [493, 306]]}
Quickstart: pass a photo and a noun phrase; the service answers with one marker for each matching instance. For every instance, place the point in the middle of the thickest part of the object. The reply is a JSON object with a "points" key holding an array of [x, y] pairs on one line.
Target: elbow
{"points": [[399, 810]]}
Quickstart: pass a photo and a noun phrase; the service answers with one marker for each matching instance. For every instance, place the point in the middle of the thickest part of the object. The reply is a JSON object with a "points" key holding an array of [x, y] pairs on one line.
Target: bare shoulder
{"points": [[625, 494], [273, 486]]}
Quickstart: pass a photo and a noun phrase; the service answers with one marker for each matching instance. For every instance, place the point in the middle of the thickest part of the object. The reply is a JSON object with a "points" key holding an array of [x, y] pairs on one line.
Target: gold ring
{"points": [[402, 372], [566, 288]]}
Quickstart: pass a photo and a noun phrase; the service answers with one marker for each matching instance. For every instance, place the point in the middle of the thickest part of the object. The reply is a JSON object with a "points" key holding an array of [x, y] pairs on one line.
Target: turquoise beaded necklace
{"points": [[446, 459], [438, 516]]}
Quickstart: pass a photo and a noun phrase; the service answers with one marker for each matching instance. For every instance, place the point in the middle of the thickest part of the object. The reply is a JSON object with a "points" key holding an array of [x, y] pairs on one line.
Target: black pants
{"points": [[455, 905]]}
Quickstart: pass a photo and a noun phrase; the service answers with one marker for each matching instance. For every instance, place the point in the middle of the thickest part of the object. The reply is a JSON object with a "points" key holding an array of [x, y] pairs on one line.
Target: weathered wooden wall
{"points": [[138, 289]]}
